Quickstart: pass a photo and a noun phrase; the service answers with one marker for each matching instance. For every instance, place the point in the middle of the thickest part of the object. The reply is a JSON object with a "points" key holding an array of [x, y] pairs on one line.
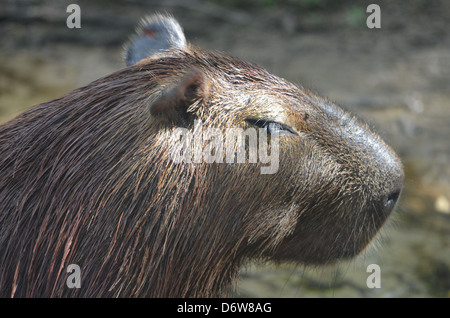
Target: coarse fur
{"points": [[88, 179]]}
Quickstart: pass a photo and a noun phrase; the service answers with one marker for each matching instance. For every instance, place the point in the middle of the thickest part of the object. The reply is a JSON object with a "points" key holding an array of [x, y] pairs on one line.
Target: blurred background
{"points": [[396, 78]]}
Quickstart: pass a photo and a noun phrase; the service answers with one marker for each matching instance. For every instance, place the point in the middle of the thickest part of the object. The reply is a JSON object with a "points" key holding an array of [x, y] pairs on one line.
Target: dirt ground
{"points": [[397, 78]]}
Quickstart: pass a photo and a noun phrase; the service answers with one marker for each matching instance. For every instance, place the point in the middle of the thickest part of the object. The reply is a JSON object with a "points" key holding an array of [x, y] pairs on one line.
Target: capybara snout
{"points": [[350, 181]]}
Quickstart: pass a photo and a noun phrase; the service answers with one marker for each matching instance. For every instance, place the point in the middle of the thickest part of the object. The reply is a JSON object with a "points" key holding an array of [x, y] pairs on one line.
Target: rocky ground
{"points": [[397, 78]]}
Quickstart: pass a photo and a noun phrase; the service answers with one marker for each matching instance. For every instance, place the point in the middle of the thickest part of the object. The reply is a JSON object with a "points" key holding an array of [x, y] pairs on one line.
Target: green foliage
{"points": [[355, 16]]}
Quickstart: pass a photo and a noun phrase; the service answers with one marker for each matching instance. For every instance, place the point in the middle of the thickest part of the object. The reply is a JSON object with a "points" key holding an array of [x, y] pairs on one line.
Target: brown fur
{"points": [[87, 179]]}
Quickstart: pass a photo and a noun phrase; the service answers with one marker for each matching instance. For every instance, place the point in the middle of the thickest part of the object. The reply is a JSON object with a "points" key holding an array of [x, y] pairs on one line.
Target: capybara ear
{"points": [[156, 33], [174, 100]]}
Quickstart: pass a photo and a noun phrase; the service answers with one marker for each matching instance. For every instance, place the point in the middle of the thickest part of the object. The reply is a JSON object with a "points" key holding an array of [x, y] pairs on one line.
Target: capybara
{"points": [[89, 179]]}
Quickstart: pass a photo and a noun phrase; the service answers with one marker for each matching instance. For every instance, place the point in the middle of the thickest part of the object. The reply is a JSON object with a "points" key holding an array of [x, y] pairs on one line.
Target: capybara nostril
{"points": [[392, 200]]}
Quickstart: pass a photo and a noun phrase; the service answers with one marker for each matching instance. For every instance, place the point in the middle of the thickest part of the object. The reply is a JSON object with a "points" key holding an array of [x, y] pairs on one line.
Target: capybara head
{"points": [[90, 179]]}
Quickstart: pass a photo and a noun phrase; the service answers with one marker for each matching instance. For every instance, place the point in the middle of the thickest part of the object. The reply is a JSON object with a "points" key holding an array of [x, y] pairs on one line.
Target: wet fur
{"points": [[87, 179]]}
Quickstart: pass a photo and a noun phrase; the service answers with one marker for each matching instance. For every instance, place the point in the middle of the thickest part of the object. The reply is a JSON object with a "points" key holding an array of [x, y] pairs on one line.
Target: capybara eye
{"points": [[272, 127]]}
